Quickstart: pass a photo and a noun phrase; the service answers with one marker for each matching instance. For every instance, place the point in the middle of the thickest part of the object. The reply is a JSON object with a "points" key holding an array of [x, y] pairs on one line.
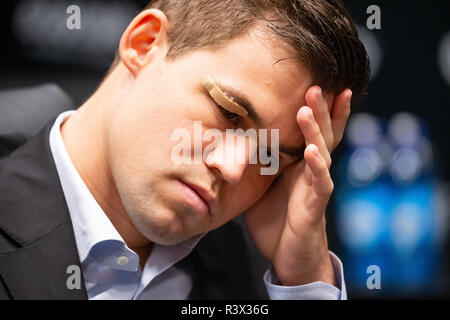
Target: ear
{"points": [[144, 40]]}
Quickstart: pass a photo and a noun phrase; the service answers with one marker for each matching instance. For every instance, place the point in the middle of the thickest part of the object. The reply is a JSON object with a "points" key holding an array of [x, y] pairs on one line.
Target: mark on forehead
{"points": [[222, 98], [239, 98]]}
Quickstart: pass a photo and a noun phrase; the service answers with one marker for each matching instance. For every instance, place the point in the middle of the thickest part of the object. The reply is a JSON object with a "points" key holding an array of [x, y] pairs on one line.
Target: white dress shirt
{"points": [[111, 270]]}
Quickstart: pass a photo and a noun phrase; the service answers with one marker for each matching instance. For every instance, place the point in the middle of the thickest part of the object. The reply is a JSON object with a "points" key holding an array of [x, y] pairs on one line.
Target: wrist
{"points": [[323, 271]]}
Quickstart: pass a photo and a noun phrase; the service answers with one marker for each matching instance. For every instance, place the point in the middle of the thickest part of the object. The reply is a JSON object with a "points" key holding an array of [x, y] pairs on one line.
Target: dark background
{"points": [[408, 79]]}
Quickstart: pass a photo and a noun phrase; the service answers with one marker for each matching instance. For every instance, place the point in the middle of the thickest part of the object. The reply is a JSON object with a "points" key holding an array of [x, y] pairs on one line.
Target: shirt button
{"points": [[123, 260]]}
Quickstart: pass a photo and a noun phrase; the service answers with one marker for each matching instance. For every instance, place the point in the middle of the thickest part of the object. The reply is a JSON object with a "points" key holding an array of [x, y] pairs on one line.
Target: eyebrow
{"points": [[296, 153]]}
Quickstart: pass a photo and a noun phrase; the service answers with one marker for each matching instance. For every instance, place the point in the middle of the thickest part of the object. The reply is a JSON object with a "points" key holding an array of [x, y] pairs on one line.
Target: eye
{"points": [[228, 114]]}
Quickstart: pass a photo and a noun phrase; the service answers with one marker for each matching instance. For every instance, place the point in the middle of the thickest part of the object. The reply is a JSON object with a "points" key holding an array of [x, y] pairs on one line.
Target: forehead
{"points": [[257, 65], [258, 60], [266, 71]]}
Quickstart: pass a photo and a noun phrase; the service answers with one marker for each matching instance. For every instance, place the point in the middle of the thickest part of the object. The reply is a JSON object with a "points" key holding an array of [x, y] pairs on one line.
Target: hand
{"points": [[288, 223]]}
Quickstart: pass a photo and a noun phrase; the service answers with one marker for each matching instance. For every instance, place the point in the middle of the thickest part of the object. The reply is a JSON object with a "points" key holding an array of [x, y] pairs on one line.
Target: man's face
{"points": [[159, 195]]}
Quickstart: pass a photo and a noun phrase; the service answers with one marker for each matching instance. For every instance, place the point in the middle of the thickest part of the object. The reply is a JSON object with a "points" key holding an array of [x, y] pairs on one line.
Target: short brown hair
{"points": [[321, 32]]}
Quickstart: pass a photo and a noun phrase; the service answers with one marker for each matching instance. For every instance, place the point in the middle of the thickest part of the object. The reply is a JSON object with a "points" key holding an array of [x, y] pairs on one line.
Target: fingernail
{"points": [[349, 96], [314, 149], [310, 114], [320, 94]]}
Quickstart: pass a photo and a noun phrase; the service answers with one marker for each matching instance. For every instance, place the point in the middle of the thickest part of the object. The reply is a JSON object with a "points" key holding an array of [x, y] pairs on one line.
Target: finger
{"points": [[340, 114], [321, 109], [321, 179], [308, 175], [312, 133]]}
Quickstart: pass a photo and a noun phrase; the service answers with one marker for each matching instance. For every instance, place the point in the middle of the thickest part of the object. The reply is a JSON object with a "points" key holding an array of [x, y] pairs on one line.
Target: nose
{"points": [[231, 157]]}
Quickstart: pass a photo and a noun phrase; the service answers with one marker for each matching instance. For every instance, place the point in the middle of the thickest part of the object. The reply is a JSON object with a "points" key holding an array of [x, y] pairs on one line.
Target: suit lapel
{"points": [[34, 213], [39, 270], [34, 216]]}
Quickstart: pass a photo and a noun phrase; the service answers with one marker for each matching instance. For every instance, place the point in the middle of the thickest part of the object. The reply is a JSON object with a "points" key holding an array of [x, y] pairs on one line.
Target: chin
{"points": [[162, 226]]}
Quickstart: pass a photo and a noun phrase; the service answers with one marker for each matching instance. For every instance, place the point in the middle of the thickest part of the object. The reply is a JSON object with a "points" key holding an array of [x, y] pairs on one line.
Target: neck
{"points": [[84, 136]]}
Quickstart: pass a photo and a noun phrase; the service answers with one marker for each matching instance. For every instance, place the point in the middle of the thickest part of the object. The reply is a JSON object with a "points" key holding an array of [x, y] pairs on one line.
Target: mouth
{"points": [[199, 198]]}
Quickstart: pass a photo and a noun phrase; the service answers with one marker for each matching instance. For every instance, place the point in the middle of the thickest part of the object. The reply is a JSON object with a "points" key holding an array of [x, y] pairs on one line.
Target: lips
{"points": [[203, 194]]}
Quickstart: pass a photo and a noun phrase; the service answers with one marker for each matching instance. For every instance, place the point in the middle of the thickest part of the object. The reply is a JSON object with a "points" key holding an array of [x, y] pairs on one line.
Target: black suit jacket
{"points": [[37, 242]]}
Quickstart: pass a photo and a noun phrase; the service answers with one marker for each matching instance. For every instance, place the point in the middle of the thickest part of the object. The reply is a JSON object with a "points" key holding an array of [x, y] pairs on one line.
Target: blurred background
{"points": [[389, 217]]}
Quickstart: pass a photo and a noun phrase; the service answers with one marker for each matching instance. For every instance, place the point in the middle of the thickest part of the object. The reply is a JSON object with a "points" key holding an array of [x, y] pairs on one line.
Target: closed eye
{"points": [[231, 110], [228, 114]]}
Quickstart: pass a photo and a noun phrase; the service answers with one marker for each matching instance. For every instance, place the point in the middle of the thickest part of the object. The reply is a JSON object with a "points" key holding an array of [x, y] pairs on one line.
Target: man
{"points": [[98, 189]]}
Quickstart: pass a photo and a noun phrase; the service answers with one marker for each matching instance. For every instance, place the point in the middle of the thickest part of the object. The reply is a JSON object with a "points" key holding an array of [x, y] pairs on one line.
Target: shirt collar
{"points": [[90, 223]]}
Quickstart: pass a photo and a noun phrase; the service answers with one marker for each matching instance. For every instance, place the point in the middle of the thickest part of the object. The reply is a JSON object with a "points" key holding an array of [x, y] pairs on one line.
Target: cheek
{"points": [[136, 148], [260, 185], [251, 188], [239, 198]]}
